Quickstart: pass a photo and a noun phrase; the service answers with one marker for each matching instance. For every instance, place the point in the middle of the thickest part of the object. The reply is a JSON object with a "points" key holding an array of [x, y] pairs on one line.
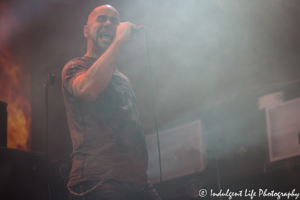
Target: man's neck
{"points": [[93, 52]]}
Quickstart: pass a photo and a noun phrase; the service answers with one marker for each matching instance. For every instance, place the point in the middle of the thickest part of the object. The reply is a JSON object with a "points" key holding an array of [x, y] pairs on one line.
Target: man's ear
{"points": [[86, 30]]}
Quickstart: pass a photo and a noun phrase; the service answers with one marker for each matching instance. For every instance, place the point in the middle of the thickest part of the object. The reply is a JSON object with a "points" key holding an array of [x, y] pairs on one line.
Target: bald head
{"points": [[101, 10], [100, 29]]}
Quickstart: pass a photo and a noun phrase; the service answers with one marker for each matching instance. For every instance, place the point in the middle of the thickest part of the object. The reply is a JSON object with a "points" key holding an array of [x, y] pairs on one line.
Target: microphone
{"points": [[137, 29]]}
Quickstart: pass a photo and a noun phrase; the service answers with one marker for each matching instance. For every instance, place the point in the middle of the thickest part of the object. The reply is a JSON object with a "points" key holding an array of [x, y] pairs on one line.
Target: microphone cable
{"points": [[153, 106]]}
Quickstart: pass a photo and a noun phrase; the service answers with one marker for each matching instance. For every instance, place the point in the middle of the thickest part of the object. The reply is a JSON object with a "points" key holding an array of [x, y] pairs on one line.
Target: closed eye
{"points": [[114, 20], [102, 18]]}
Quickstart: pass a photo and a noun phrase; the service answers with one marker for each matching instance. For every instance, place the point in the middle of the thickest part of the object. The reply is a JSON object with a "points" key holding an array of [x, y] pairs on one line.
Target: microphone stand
{"points": [[49, 81]]}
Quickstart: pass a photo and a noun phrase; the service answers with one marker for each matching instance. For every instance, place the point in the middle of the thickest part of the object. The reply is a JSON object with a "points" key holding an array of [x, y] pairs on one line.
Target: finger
{"points": [[140, 28], [131, 25]]}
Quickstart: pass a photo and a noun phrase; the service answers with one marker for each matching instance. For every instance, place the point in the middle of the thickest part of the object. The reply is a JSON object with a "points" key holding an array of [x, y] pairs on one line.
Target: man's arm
{"points": [[90, 85]]}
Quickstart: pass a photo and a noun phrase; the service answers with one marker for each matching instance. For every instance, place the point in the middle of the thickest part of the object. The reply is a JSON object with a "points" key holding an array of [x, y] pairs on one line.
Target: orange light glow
{"points": [[14, 89]]}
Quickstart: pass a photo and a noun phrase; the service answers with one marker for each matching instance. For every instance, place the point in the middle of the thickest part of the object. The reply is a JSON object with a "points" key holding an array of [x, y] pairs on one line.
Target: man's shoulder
{"points": [[76, 65], [78, 61], [74, 68]]}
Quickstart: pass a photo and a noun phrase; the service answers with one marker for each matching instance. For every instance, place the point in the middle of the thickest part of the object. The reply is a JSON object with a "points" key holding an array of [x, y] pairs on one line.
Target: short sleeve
{"points": [[71, 71]]}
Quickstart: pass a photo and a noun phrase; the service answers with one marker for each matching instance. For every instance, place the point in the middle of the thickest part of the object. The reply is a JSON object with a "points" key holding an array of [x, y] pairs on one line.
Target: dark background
{"points": [[211, 60]]}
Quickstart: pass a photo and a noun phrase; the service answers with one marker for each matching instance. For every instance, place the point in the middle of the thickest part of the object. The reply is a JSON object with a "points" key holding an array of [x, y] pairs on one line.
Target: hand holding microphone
{"points": [[126, 31], [137, 29]]}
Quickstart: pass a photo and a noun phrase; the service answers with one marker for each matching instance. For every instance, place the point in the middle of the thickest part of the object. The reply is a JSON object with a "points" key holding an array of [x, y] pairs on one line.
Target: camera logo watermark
{"points": [[251, 194], [202, 192]]}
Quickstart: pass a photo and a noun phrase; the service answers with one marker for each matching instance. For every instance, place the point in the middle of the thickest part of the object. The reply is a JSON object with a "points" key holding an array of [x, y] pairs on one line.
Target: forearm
{"points": [[90, 85]]}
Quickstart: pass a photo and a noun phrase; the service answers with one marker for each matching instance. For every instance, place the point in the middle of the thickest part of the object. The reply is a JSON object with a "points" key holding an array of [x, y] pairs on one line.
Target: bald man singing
{"points": [[110, 158]]}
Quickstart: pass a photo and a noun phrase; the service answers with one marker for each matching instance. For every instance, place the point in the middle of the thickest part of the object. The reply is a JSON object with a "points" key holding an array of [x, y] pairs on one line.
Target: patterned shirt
{"points": [[106, 133]]}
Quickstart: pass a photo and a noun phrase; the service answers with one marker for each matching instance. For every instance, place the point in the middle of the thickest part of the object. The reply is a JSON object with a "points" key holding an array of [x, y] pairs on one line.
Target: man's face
{"points": [[101, 27]]}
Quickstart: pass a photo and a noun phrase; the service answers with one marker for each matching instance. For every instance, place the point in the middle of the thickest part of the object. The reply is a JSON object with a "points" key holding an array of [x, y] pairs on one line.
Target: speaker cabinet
{"points": [[283, 122], [3, 124], [181, 152], [22, 175]]}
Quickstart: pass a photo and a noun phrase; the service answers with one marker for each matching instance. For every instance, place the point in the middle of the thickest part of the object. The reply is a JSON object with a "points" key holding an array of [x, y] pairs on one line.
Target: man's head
{"points": [[101, 27]]}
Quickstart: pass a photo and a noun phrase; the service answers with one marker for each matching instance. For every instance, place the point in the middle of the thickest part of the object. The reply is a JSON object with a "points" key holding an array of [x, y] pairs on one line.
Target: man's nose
{"points": [[108, 23]]}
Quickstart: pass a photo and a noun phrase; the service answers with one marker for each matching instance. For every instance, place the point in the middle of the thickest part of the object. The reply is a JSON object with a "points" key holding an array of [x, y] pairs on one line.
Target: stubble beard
{"points": [[99, 48]]}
